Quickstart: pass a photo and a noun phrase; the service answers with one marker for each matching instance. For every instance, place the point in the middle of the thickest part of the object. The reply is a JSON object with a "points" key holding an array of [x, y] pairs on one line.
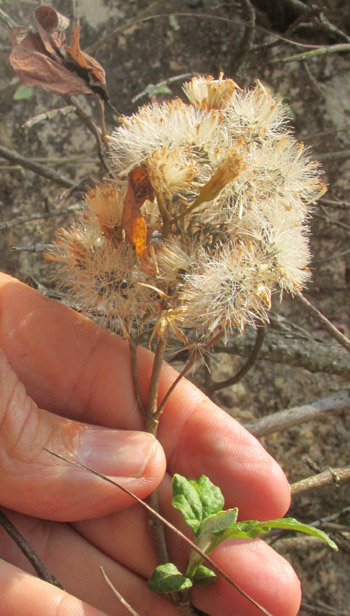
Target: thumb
{"points": [[36, 483]]}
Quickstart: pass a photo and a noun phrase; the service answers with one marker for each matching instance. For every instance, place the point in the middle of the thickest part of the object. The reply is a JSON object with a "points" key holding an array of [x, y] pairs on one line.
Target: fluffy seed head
{"points": [[222, 225]]}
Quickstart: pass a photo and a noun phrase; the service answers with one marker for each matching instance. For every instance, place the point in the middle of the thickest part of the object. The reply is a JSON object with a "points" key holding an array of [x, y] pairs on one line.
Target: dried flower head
{"points": [[210, 216]]}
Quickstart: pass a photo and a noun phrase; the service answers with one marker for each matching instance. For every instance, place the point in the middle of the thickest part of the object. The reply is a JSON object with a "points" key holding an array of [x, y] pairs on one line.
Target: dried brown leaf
{"points": [[41, 58]]}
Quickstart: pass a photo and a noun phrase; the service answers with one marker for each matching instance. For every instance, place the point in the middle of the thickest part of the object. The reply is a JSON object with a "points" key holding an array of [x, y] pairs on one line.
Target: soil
{"points": [[201, 36]]}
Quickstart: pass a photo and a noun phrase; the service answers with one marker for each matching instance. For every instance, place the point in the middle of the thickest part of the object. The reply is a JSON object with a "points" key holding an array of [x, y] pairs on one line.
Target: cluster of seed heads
{"points": [[225, 216]]}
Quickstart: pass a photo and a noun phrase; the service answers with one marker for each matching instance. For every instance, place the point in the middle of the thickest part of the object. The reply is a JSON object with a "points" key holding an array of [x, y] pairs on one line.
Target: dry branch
{"points": [[323, 321], [284, 349], [21, 220], [251, 361], [308, 55], [327, 477], [325, 24], [35, 167], [322, 611], [334, 403], [37, 564]]}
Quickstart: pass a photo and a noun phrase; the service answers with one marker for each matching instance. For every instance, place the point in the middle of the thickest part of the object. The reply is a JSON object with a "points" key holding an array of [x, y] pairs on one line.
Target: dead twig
{"points": [[21, 220], [323, 321], [314, 53], [251, 361], [338, 255], [330, 221], [336, 476], [150, 89], [325, 24], [32, 248], [7, 20], [37, 564], [334, 403], [249, 31], [90, 124], [329, 156], [118, 595], [287, 349], [45, 172], [330, 518], [336, 204], [48, 115], [322, 611]]}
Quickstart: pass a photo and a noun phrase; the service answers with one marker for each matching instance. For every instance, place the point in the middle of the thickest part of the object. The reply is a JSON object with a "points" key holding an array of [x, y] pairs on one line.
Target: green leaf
{"points": [[218, 522], [23, 93], [167, 578], [204, 576], [210, 495], [197, 499], [252, 529], [186, 500], [152, 89]]}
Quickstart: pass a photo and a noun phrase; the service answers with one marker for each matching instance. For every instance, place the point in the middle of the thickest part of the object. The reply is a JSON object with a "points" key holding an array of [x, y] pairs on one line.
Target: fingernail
{"points": [[120, 453]]}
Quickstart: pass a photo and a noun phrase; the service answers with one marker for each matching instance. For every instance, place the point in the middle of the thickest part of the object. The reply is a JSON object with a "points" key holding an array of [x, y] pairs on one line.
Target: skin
{"points": [[62, 382]]}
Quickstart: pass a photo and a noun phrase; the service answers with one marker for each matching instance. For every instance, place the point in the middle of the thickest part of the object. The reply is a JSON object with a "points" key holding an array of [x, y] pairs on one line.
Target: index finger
{"points": [[72, 367]]}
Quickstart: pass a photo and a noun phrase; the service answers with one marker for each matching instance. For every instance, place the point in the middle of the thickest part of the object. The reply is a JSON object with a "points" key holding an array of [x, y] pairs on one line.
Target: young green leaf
{"points": [[186, 500], [204, 576], [217, 522], [210, 495], [23, 93], [161, 89], [252, 529], [197, 499], [167, 578]]}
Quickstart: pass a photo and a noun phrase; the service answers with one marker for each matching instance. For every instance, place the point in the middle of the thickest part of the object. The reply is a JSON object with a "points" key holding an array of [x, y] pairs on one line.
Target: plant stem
{"points": [[152, 419], [153, 412]]}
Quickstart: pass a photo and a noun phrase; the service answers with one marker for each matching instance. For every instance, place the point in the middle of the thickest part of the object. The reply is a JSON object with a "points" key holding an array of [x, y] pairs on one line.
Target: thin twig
{"points": [[288, 349], [327, 26], [48, 115], [330, 518], [338, 255], [314, 53], [151, 420], [152, 411], [329, 221], [7, 20], [336, 476], [248, 36], [323, 321], [329, 156], [334, 403], [27, 550], [334, 203], [118, 595], [32, 248], [193, 358], [90, 124], [150, 89], [322, 611], [134, 374], [251, 361], [173, 528], [101, 113], [45, 172], [21, 220]]}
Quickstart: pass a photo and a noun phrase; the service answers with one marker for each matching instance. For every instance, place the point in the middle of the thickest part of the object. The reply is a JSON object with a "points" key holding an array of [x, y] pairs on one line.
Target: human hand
{"points": [[80, 377]]}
